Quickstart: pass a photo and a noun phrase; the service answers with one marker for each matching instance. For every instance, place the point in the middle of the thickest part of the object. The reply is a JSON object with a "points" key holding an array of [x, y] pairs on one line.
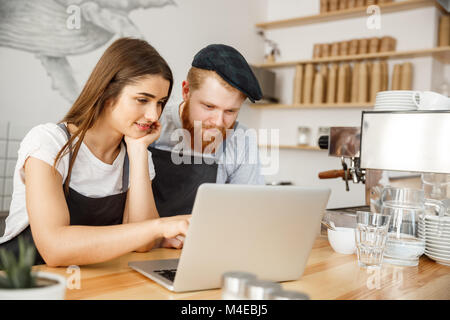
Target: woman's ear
{"points": [[109, 104], [185, 90]]}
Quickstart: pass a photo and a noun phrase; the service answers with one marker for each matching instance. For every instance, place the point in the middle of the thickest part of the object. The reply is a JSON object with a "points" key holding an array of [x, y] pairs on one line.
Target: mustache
{"points": [[209, 126]]}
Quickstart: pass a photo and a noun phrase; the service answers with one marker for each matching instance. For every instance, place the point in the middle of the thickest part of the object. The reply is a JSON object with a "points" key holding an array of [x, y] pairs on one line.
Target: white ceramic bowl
{"points": [[342, 240]]}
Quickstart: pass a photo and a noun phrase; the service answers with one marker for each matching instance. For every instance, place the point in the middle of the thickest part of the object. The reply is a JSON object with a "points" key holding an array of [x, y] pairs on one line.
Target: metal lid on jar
{"points": [[260, 289], [234, 282], [288, 295]]}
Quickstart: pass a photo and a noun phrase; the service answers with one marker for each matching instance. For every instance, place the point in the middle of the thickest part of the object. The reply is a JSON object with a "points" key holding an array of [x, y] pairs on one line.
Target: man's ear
{"points": [[185, 90]]}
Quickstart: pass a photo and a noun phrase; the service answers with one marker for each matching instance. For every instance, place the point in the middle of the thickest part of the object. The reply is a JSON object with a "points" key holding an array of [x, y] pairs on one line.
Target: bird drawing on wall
{"points": [[42, 28]]}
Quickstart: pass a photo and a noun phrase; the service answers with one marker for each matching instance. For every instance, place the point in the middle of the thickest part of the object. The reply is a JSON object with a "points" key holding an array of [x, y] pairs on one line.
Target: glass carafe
{"points": [[404, 246]]}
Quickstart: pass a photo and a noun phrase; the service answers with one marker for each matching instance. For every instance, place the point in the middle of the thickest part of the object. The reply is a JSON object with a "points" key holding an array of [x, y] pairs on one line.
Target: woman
{"points": [[105, 207]]}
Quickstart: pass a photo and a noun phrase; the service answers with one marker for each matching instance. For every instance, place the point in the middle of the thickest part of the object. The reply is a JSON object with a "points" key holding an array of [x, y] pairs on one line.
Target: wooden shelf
{"points": [[345, 14], [440, 53], [367, 105], [293, 147]]}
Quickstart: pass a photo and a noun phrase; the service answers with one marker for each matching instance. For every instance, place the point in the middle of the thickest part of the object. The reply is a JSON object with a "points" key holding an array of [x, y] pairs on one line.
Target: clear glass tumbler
{"points": [[436, 186], [370, 236]]}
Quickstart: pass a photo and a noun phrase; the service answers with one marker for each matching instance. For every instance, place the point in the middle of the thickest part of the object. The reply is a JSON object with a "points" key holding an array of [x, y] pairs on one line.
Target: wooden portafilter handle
{"points": [[332, 174]]}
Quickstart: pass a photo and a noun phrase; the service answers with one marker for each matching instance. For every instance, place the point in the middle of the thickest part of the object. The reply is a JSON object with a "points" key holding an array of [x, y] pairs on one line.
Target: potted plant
{"points": [[19, 282]]}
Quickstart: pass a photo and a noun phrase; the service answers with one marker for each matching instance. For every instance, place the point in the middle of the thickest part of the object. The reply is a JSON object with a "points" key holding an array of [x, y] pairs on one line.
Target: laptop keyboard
{"points": [[167, 273]]}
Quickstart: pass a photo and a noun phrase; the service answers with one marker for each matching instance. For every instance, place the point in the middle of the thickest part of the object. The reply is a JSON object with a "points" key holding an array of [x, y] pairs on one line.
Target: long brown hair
{"points": [[123, 63]]}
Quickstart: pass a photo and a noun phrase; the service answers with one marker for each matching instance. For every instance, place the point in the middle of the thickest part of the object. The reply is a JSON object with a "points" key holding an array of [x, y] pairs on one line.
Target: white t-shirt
{"points": [[90, 177]]}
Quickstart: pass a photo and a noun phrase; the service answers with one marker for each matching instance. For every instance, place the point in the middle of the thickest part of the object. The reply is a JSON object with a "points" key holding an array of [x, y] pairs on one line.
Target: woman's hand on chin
{"points": [[143, 142]]}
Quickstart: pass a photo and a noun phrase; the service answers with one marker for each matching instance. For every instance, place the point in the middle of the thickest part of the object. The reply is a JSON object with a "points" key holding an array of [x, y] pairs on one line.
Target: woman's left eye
{"points": [[142, 100]]}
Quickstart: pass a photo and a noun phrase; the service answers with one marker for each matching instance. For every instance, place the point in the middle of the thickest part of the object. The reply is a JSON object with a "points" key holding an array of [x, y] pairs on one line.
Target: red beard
{"points": [[213, 143]]}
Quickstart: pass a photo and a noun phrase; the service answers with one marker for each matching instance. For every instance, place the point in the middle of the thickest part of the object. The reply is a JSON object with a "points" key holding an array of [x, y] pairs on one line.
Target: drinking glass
{"points": [[370, 236], [436, 185]]}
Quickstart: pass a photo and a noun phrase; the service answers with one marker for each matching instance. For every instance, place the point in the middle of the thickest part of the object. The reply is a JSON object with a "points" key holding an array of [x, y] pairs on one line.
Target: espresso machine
{"points": [[411, 141]]}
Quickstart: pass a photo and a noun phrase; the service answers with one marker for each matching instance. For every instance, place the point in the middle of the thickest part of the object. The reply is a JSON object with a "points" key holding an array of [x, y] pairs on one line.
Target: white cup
{"points": [[342, 240], [431, 100]]}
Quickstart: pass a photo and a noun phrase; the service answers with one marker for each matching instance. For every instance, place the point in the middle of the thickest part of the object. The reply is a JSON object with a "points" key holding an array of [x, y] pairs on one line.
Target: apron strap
{"points": [[63, 126], [125, 175]]}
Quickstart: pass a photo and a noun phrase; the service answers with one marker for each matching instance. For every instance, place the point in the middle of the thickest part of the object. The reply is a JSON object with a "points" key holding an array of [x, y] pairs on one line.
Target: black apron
{"points": [[84, 210], [175, 185]]}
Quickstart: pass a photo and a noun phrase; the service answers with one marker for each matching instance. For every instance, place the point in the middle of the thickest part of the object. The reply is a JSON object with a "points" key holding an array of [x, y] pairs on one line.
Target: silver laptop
{"points": [[265, 230]]}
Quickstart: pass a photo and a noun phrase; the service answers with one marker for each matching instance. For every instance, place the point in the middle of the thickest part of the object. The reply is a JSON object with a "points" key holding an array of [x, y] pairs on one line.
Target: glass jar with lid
{"points": [[304, 136]]}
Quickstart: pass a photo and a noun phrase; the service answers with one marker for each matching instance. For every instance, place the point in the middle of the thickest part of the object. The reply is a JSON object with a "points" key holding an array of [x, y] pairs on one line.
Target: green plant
{"points": [[17, 271]]}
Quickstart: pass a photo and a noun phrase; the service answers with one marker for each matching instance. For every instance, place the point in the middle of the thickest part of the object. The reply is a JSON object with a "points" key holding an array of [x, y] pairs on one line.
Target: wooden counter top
{"points": [[328, 275]]}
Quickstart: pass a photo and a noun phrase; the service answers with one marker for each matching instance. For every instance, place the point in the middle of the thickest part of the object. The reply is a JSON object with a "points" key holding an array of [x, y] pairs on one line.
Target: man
{"points": [[214, 147]]}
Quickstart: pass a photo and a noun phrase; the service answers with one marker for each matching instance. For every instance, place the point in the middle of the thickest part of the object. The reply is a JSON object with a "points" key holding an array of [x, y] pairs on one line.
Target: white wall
{"points": [[413, 29]]}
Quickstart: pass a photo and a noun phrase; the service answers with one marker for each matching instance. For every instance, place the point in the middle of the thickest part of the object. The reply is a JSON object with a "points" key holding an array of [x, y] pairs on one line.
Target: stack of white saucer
{"points": [[436, 233], [395, 100]]}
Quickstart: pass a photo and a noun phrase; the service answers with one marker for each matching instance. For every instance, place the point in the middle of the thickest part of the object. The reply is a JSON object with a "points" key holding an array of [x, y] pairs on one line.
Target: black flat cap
{"points": [[231, 66]]}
